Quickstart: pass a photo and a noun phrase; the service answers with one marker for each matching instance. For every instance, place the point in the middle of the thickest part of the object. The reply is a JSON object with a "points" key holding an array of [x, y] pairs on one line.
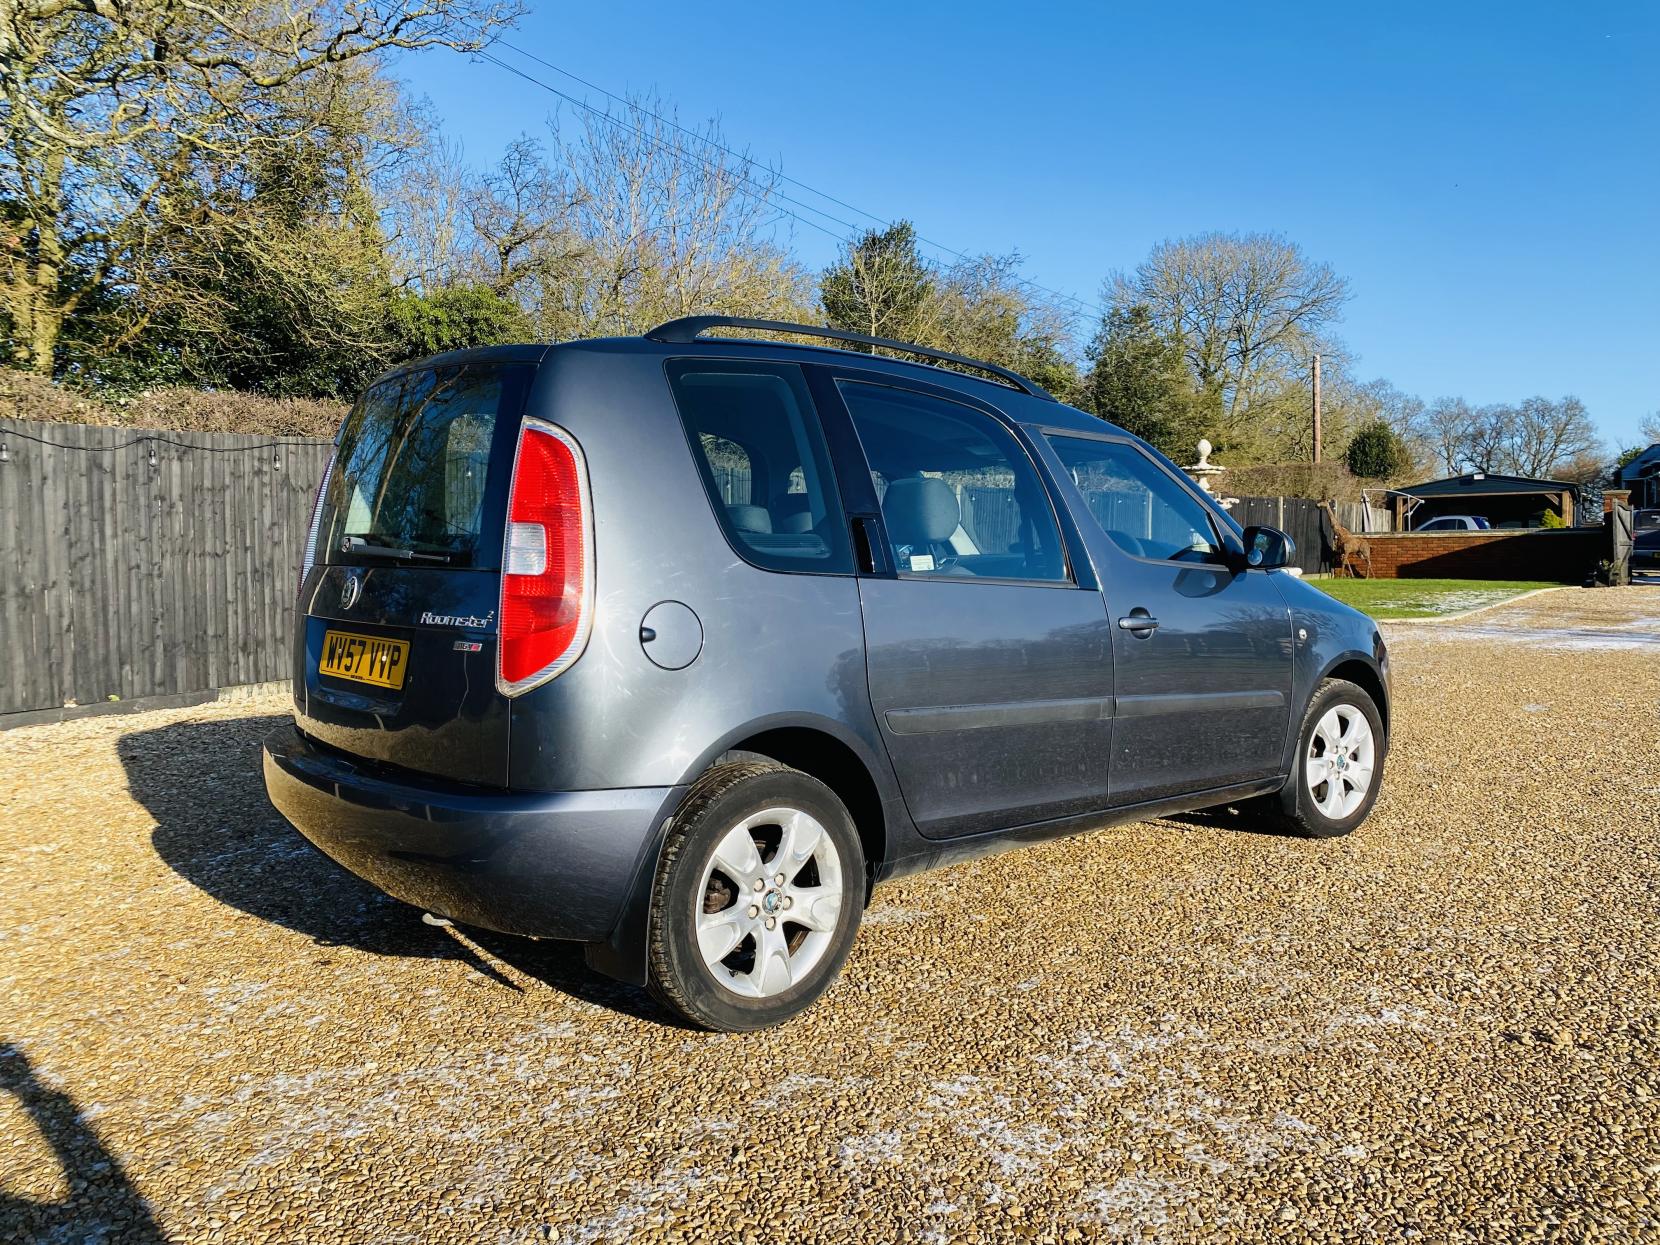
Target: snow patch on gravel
{"points": [[1134, 1208], [648, 1203], [1611, 637], [894, 915], [886, 1146], [1159, 1082]]}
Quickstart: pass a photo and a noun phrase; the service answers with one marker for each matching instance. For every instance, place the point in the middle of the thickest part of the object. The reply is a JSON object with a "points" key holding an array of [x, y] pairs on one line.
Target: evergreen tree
{"points": [[455, 318], [1377, 453], [882, 286], [1140, 381]]}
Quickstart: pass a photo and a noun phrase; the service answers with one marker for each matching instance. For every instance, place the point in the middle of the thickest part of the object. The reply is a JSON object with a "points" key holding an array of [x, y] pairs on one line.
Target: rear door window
{"points": [[413, 469], [756, 438], [960, 498]]}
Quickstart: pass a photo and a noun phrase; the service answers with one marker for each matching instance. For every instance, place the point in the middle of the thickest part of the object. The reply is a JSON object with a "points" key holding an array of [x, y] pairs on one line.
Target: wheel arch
{"points": [[823, 756], [820, 748], [1364, 674]]}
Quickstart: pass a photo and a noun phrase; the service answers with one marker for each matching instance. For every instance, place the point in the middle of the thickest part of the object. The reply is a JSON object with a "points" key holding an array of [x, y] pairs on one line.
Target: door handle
{"points": [[1139, 623], [868, 548]]}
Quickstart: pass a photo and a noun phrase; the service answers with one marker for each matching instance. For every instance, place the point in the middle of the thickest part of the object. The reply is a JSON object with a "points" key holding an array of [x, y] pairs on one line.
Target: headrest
{"points": [[920, 510], [793, 512], [750, 519]]}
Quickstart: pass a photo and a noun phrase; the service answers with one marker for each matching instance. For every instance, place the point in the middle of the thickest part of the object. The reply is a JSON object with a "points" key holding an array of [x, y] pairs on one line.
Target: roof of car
{"points": [[1022, 407], [1019, 406], [518, 352]]}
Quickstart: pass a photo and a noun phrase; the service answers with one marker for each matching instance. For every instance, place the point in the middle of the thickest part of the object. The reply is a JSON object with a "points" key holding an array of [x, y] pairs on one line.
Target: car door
{"points": [[989, 657], [1202, 650]]}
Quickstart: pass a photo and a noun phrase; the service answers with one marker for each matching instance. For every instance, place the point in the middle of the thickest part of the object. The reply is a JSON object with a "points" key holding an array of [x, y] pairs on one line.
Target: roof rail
{"points": [[690, 328]]}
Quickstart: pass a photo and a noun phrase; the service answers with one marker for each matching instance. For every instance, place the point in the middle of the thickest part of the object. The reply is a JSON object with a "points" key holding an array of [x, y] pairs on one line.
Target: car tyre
{"points": [[757, 898], [1338, 768]]}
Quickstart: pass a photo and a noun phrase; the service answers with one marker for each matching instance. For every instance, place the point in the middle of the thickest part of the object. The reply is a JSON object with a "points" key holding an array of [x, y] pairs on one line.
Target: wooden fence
{"points": [[1303, 521], [141, 564], [138, 564]]}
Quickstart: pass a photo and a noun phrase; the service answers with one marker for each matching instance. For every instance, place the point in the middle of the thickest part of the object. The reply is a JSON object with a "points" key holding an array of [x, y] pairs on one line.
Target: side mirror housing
{"points": [[1267, 549]]}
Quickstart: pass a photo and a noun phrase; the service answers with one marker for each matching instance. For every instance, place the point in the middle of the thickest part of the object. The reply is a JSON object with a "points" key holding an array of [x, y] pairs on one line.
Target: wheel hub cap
{"points": [[1338, 764], [770, 903]]}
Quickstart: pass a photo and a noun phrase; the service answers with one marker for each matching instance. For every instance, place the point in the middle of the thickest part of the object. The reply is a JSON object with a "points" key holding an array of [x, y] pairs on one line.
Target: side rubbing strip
{"points": [[1014, 713], [1196, 702]]}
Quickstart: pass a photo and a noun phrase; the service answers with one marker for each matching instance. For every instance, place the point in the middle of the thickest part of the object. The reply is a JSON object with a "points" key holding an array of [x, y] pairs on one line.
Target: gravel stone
{"points": [[1443, 1027]]}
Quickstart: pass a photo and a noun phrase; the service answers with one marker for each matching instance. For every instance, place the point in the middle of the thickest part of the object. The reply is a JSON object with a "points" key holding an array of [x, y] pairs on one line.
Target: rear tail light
{"points": [[547, 569], [310, 557]]}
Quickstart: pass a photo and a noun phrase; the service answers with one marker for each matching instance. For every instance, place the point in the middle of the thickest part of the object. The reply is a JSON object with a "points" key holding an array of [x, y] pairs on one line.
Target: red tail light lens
{"points": [[547, 569], [310, 556]]}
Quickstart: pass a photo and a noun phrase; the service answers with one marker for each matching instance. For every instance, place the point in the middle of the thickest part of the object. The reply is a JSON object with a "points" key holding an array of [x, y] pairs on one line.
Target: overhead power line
{"points": [[755, 188]]}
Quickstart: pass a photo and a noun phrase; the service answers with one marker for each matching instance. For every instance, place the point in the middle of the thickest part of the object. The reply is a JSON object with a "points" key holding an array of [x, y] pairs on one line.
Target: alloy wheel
{"points": [[1341, 757], [769, 903]]}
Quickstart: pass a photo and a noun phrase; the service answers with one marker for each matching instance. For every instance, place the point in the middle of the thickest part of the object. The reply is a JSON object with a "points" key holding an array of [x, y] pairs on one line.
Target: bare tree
{"points": [[987, 312], [428, 218], [1249, 310], [522, 219], [1536, 437], [105, 108], [1487, 439], [1649, 427], [662, 224], [1446, 429], [273, 271], [1543, 436], [1588, 467]]}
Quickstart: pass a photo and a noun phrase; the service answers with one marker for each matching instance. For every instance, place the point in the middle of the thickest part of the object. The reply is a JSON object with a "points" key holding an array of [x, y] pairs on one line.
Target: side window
{"points": [[761, 453], [960, 498], [1137, 504]]}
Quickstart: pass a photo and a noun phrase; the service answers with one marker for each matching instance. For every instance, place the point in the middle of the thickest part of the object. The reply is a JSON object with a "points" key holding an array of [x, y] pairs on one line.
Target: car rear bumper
{"points": [[549, 865]]}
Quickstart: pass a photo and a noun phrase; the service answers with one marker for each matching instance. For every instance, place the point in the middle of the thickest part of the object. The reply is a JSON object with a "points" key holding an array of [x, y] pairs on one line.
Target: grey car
{"points": [[677, 645]]}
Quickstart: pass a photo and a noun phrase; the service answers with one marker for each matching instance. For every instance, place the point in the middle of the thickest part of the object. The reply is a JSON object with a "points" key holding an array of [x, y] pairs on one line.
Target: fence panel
{"points": [[137, 563], [1297, 517]]}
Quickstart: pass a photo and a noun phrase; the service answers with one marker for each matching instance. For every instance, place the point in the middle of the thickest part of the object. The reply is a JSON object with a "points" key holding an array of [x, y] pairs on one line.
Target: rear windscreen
{"points": [[411, 470]]}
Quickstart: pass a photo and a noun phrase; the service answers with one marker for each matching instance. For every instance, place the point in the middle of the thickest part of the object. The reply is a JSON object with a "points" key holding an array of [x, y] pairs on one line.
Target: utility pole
{"points": [[1316, 408]]}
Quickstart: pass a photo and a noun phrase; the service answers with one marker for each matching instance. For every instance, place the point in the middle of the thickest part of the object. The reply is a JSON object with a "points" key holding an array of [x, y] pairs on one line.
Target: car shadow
{"points": [[102, 1202], [1231, 818], [202, 783]]}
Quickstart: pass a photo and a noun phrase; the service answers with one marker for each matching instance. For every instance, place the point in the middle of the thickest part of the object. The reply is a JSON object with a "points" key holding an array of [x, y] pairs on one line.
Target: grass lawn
{"points": [[1423, 598]]}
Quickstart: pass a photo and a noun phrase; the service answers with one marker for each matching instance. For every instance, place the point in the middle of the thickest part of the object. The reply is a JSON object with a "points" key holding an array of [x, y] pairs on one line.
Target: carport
{"points": [[1504, 501]]}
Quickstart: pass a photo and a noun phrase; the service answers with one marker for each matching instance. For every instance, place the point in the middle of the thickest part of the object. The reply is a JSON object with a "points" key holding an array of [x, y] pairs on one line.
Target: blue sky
{"points": [[1486, 176]]}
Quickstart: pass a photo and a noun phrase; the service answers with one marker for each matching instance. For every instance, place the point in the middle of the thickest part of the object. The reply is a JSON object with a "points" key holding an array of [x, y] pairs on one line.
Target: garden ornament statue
{"points": [[1203, 471]]}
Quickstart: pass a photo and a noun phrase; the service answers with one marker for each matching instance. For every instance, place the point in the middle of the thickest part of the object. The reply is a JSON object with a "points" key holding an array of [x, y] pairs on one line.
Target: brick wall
{"points": [[1566, 554]]}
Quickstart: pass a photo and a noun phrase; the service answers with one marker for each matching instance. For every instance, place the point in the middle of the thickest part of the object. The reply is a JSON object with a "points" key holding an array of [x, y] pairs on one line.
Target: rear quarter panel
{"points": [[778, 649]]}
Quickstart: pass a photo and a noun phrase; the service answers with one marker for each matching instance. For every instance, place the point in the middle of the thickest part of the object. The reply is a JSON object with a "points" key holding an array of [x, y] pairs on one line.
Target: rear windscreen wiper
{"points": [[356, 544]]}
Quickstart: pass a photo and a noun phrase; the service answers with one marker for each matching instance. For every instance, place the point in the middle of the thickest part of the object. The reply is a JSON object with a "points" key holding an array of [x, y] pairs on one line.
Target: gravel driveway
{"points": [[1444, 1027]]}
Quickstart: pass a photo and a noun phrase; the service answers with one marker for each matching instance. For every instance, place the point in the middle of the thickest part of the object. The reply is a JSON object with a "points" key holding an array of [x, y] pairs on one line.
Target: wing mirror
{"points": [[1267, 549]]}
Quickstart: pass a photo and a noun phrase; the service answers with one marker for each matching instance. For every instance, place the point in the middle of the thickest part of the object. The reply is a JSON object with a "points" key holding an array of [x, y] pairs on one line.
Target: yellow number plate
{"points": [[364, 658]]}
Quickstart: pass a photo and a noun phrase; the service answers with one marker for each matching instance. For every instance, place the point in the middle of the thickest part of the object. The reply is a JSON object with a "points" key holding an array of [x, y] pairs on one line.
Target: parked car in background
{"points": [[1455, 523], [675, 646], [1645, 539]]}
